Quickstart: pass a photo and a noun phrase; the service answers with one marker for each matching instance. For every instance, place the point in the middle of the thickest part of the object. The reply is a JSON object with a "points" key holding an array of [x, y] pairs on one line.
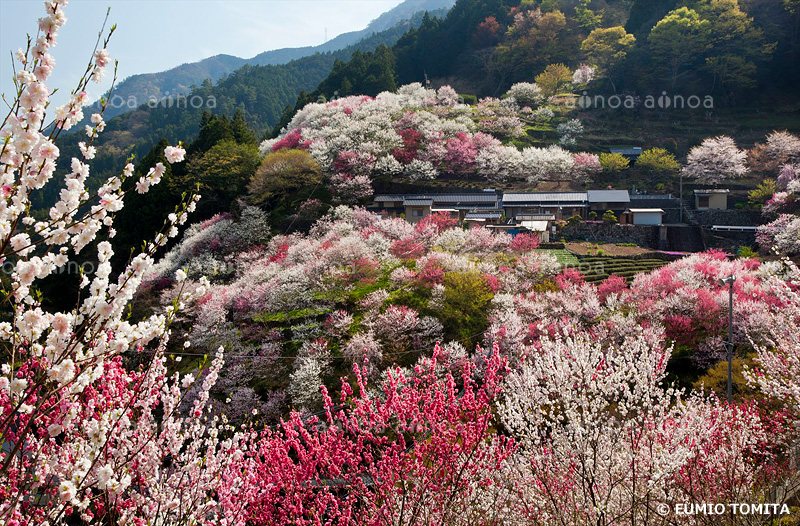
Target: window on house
{"points": [[416, 213], [702, 201]]}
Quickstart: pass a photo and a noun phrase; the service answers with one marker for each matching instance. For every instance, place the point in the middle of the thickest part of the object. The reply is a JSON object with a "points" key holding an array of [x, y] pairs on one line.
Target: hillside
{"points": [[260, 93], [387, 20], [238, 331], [740, 53], [139, 89]]}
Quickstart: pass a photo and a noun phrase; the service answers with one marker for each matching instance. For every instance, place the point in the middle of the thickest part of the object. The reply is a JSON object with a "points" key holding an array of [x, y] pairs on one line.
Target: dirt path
{"points": [[585, 248]]}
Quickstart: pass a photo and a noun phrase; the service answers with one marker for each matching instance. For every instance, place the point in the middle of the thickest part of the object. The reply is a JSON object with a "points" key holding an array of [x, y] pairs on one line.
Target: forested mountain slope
{"points": [[139, 89], [260, 94]]}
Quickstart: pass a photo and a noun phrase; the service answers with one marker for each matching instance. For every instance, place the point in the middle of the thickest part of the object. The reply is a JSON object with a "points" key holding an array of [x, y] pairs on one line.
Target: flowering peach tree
{"points": [[421, 451], [420, 133], [84, 437], [568, 419]]}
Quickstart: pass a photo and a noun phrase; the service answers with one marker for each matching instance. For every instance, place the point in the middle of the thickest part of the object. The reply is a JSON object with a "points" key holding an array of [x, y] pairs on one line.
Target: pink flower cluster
{"points": [[419, 133], [567, 419]]}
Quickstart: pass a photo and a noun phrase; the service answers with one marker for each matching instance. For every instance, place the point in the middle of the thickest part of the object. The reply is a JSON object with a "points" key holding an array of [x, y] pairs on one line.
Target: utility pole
{"points": [[680, 206], [730, 280]]}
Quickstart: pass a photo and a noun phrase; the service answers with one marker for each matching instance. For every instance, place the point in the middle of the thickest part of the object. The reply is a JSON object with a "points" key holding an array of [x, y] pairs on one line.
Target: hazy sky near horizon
{"points": [[155, 35]]}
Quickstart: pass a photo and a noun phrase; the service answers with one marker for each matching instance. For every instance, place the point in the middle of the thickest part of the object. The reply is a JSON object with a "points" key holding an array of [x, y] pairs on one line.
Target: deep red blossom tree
{"points": [[525, 242], [292, 140], [438, 222], [421, 452], [411, 144]]}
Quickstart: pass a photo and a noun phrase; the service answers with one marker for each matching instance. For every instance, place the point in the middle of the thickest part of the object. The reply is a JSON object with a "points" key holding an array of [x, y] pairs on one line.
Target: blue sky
{"points": [[154, 35]]}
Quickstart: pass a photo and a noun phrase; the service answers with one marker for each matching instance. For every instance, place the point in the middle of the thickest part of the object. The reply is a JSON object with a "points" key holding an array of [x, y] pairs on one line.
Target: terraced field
{"points": [[565, 257], [598, 268]]}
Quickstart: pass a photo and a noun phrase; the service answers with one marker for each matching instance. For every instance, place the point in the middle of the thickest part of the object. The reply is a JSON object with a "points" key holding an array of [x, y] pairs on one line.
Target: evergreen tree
{"points": [[736, 46]]}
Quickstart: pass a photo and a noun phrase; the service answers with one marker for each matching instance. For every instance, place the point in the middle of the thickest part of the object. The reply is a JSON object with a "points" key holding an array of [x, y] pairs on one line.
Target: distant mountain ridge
{"points": [[142, 88], [385, 21]]}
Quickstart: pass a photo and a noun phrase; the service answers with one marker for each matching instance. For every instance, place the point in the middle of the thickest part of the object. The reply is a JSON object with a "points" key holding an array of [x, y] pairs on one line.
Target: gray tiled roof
{"points": [[545, 197], [482, 215], [475, 197], [609, 196], [487, 197], [417, 202], [384, 198], [635, 150], [650, 197]]}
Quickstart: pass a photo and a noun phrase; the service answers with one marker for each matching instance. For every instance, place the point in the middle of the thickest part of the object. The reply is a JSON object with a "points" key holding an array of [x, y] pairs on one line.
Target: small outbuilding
{"points": [[711, 199], [538, 223], [643, 216]]}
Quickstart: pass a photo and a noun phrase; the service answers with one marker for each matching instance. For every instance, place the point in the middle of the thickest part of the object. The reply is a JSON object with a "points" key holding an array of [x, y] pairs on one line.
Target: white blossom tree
{"points": [[83, 437], [569, 132], [591, 415], [603, 441], [499, 163], [783, 147], [717, 159], [583, 75], [527, 94], [551, 163]]}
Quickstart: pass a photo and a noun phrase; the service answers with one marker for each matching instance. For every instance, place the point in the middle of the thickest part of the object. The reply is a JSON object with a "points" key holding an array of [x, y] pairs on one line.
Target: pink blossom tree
{"points": [[782, 235], [585, 166], [787, 175], [525, 242], [461, 153]]}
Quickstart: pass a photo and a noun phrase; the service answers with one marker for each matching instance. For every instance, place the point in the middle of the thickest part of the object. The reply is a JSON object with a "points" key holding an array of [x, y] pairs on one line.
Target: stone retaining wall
{"points": [[644, 236], [728, 217]]}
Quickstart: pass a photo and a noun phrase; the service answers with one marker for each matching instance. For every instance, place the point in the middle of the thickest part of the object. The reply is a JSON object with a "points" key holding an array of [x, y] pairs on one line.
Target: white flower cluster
{"points": [[569, 131], [527, 94], [716, 159], [59, 355]]}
